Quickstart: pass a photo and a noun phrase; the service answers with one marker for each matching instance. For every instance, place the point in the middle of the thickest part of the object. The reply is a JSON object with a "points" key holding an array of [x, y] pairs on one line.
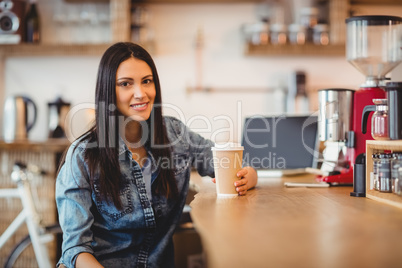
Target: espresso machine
{"points": [[374, 47]]}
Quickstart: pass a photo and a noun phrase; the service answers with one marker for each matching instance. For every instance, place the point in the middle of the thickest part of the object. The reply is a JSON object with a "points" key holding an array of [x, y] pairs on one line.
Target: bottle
{"points": [[396, 163], [309, 19], [302, 103], [376, 165], [297, 99], [32, 24], [384, 173]]}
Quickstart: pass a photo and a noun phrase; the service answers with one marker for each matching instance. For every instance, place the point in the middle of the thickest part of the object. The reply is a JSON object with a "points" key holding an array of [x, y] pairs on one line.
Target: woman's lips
{"points": [[139, 106]]}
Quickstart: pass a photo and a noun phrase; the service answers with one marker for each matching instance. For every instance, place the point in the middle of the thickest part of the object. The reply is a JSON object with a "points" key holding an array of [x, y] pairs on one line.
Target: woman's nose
{"points": [[139, 92]]}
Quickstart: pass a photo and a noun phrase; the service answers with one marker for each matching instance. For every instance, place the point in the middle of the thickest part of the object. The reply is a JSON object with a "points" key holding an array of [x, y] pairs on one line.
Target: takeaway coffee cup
{"points": [[227, 162]]}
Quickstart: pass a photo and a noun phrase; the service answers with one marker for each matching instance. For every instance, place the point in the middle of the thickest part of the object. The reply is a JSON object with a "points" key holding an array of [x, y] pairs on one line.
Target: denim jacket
{"points": [[139, 235]]}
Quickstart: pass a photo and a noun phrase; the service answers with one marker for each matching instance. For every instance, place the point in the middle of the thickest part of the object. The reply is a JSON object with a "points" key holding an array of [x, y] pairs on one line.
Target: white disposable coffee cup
{"points": [[227, 162]]}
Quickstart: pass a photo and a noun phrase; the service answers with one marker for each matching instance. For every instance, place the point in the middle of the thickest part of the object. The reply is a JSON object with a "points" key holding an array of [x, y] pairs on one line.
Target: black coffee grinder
{"points": [[58, 110]]}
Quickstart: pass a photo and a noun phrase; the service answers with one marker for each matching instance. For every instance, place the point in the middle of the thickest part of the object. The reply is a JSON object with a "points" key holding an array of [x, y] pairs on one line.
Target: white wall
{"points": [[224, 66]]}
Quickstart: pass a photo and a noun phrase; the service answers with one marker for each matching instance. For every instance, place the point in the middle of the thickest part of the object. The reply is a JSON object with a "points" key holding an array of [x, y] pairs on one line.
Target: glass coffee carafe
{"points": [[379, 120]]}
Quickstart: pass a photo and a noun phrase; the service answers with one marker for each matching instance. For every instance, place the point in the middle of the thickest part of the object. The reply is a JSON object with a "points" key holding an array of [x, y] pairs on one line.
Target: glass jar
{"points": [[376, 163], [256, 33], [278, 34], [395, 165], [398, 183], [297, 34], [379, 120], [384, 173], [309, 16], [321, 34]]}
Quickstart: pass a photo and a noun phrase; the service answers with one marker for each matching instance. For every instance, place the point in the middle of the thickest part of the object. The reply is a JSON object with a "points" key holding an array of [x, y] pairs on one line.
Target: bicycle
{"points": [[38, 234]]}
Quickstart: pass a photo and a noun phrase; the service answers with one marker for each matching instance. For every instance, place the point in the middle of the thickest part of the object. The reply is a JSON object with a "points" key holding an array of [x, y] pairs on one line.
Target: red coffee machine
{"points": [[374, 47]]}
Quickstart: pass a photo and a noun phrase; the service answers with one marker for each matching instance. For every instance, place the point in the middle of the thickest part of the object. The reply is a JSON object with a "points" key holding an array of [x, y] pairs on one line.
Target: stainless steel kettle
{"points": [[17, 112]]}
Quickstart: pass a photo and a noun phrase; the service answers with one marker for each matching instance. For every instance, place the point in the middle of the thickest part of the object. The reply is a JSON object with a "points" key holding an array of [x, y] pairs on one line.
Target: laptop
{"points": [[281, 145]]}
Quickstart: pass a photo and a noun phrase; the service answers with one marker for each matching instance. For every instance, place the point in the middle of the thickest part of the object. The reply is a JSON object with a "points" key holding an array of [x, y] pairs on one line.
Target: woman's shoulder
{"points": [[171, 120], [78, 146], [174, 124], [181, 135]]}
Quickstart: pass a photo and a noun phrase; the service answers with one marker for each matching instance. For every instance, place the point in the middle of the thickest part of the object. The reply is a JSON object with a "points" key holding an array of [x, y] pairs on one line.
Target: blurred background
{"points": [[220, 60]]}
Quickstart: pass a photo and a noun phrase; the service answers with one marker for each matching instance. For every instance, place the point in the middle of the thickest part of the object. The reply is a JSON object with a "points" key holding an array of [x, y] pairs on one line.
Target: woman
{"points": [[121, 189]]}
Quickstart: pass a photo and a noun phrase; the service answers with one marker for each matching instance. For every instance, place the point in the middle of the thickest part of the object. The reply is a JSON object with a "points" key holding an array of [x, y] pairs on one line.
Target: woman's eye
{"points": [[124, 84], [147, 81]]}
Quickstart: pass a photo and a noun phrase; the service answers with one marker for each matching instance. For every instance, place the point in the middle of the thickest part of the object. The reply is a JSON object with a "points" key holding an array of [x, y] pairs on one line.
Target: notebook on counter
{"points": [[280, 145]]}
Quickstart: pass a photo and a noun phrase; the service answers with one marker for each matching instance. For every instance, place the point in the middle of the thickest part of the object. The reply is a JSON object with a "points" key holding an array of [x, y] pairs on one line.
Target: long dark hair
{"points": [[104, 155]]}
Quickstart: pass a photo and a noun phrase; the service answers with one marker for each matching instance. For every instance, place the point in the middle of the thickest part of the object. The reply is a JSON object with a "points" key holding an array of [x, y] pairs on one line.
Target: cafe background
{"points": [[208, 69], [200, 50]]}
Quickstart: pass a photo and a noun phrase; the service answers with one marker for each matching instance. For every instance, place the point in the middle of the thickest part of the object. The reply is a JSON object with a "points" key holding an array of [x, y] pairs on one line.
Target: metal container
{"points": [[335, 113], [20, 114], [398, 183], [384, 173], [396, 163], [376, 166], [394, 96]]}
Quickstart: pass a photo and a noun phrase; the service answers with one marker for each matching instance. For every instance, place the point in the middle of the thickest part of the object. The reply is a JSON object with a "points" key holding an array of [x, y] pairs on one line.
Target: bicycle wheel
{"points": [[22, 249]]}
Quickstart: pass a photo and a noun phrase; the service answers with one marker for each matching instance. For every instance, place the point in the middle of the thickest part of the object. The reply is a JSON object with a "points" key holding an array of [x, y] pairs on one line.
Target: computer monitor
{"points": [[280, 142]]}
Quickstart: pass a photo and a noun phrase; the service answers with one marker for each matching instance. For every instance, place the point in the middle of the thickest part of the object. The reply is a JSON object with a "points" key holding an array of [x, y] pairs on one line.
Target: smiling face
{"points": [[135, 89]]}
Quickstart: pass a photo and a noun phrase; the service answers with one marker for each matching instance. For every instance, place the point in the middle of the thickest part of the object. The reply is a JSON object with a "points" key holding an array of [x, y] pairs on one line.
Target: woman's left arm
{"points": [[200, 150]]}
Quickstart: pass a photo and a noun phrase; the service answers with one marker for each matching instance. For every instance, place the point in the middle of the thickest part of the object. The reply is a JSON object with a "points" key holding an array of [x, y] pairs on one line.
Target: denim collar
{"points": [[123, 149]]}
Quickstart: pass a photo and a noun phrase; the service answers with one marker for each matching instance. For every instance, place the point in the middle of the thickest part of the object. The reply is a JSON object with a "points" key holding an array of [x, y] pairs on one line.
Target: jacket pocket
{"points": [[107, 207]]}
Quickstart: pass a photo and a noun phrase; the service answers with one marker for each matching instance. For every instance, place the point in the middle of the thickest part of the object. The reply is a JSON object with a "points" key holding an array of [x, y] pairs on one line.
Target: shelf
{"points": [[373, 146], [170, 1], [375, 2], [86, 1], [295, 50], [49, 145], [387, 198], [22, 50], [192, 1], [385, 145]]}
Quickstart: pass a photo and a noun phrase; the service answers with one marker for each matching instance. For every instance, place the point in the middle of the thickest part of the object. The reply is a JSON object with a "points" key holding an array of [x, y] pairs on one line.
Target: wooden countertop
{"points": [[276, 226], [53, 145]]}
